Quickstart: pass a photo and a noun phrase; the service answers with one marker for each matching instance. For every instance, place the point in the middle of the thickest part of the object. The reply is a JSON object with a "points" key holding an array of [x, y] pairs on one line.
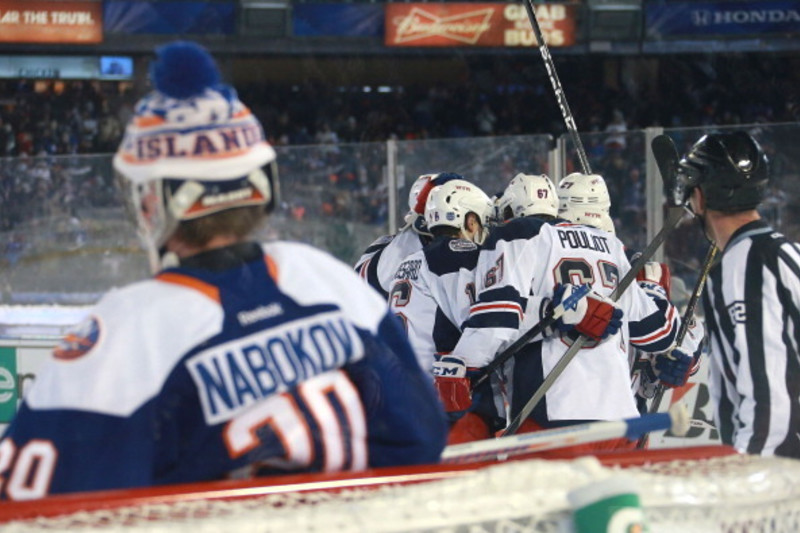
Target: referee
{"points": [[752, 297]]}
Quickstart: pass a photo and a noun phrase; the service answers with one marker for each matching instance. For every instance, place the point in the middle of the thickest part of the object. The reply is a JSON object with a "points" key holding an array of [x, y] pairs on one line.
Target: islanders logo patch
{"points": [[79, 341]]}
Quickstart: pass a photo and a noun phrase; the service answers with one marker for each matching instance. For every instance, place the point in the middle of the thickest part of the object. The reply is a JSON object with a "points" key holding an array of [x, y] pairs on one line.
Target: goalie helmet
{"points": [[191, 149], [730, 168], [449, 205], [529, 195], [584, 199]]}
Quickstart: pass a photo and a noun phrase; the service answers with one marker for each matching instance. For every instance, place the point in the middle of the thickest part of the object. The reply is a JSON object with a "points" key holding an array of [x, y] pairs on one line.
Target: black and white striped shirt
{"points": [[752, 310]]}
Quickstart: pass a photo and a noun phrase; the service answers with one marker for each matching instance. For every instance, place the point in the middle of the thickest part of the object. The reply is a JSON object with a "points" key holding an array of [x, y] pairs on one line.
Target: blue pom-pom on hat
{"points": [[183, 69]]}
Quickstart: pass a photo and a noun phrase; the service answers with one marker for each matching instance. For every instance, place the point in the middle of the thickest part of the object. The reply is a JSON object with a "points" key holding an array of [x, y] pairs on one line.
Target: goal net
{"points": [[696, 490]]}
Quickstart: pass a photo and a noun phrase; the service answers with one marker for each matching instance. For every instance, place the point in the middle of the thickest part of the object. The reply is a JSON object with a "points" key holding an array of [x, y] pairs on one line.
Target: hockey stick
{"points": [[667, 158], [687, 317], [569, 120], [569, 303], [676, 420], [675, 215]]}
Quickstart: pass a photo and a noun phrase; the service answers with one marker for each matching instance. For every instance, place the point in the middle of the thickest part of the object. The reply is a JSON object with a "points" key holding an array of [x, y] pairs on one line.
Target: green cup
{"points": [[610, 505]]}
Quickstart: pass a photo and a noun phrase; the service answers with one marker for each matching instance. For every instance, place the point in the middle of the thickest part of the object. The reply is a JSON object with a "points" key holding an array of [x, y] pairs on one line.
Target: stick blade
{"points": [[667, 158], [681, 421]]}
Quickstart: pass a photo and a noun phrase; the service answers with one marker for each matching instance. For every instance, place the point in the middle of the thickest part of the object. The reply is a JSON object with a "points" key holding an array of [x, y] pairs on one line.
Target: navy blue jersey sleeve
{"points": [[405, 418]]}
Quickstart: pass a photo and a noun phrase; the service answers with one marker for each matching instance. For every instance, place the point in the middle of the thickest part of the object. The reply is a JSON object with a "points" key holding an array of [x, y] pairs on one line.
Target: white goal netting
{"points": [[732, 493]]}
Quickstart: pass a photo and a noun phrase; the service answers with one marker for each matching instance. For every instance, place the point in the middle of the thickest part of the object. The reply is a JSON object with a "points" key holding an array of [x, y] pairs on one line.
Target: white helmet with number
{"points": [[529, 195], [449, 205], [584, 199]]}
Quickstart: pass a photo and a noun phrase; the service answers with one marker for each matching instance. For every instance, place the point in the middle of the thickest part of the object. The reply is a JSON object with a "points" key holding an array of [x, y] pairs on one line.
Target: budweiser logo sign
{"points": [[464, 27], [476, 24]]}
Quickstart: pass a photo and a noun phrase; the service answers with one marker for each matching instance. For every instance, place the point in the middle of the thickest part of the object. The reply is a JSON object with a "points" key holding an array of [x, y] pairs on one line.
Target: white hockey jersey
{"points": [[518, 267], [432, 292], [380, 260]]}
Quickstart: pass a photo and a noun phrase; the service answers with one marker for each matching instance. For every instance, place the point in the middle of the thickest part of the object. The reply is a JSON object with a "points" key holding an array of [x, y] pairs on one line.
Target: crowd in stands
{"points": [[509, 96], [506, 95]]}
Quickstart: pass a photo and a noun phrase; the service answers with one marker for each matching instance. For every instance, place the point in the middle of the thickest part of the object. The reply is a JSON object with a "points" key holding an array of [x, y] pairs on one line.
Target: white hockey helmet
{"points": [[584, 199], [191, 149], [529, 195], [418, 194], [416, 189], [449, 205]]}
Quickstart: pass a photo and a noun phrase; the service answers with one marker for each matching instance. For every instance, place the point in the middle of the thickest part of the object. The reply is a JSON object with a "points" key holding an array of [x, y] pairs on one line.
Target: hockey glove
{"points": [[452, 383], [655, 278], [674, 368], [594, 315]]}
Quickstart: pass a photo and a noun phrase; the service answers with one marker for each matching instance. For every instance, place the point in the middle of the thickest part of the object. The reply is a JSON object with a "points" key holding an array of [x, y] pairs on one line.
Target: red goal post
{"points": [[678, 488]]}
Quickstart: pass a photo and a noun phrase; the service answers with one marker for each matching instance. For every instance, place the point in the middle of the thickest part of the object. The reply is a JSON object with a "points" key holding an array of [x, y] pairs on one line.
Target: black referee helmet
{"points": [[730, 168]]}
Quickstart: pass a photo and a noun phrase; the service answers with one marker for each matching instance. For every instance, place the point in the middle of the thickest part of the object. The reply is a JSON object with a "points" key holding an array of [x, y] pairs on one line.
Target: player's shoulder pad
{"points": [[515, 229], [133, 338], [447, 255], [312, 276], [378, 243]]}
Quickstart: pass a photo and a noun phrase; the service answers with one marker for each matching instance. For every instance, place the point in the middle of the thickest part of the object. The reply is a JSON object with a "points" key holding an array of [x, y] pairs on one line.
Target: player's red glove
{"points": [[655, 273], [593, 315], [452, 383]]}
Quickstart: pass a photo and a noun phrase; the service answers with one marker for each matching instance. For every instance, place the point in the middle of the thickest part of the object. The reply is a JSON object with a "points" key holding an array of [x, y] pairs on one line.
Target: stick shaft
{"points": [[548, 439], [569, 120], [688, 313], [698, 290]]}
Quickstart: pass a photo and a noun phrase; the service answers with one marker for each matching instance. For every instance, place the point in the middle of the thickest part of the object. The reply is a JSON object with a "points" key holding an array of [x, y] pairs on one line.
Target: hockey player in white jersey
{"points": [[237, 358], [586, 201], [528, 265], [380, 260], [434, 288]]}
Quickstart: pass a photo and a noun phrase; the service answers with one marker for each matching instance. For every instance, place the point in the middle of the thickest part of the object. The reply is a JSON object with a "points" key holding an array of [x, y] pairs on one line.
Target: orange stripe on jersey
{"points": [[193, 283], [665, 330], [272, 268], [496, 307]]}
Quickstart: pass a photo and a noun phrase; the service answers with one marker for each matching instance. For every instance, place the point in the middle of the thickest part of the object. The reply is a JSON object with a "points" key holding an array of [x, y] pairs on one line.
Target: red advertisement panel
{"points": [[32, 21], [462, 24]]}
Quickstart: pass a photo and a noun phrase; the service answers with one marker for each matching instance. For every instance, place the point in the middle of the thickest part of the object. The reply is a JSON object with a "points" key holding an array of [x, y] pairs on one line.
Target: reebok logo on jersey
{"points": [[233, 376], [259, 313]]}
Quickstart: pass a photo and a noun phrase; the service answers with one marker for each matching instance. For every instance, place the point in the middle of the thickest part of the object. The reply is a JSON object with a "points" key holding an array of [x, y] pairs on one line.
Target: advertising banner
{"points": [[19, 363], [168, 18], [337, 20], [8, 383], [67, 67], [33, 21], [699, 19], [474, 24]]}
